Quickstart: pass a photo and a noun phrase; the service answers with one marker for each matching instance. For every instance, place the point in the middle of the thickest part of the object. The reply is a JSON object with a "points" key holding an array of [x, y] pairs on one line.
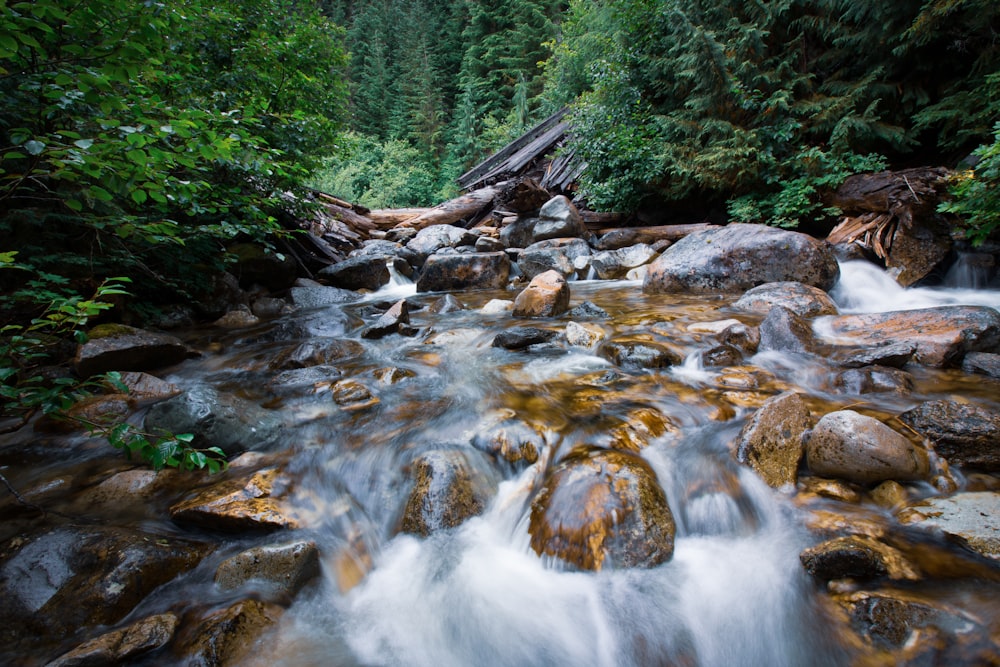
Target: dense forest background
{"points": [[140, 139]]}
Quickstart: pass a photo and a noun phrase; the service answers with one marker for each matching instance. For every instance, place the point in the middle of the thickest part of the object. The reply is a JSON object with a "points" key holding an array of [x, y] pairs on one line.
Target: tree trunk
{"points": [[387, 218], [621, 237], [450, 212]]}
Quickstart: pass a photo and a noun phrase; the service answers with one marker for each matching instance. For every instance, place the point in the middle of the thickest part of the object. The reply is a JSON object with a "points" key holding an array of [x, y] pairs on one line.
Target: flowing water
{"points": [[734, 593]]}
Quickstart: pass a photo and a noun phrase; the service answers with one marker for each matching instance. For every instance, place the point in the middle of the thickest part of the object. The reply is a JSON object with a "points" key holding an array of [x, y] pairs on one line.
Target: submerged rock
{"points": [[286, 567], [983, 363], [519, 338], [803, 300], [639, 354], [121, 646], [602, 508], [738, 257], [873, 380], [449, 487], [852, 446], [512, 441], [771, 441], [394, 320], [368, 272], [973, 517], [844, 558], [226, 637], [250, 504], [966, 434]]}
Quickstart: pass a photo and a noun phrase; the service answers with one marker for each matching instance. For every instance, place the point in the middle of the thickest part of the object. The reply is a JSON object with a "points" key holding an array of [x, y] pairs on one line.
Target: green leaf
{"points": [[139, 196], [34, 147]]}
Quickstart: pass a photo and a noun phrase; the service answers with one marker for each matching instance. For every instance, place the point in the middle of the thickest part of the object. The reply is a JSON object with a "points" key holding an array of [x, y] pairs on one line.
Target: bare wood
{"points": [[620, 237], [600, 221], [349, 217], [387, 218], [450, 212]]}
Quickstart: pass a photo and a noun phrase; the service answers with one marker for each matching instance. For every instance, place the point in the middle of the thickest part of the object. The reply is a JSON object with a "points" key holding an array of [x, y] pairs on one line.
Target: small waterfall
{"points": [[971, 270], [865, 288]]}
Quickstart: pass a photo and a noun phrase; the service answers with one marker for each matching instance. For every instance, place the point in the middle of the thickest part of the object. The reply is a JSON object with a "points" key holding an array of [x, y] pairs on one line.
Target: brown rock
{"points": [[852, 446], [602, 508], [639, 354], [123, 348], [482, 270], [547, 295], [449, 488], [941, 335], [146, 388], [288, 567], [120, 646], [771, 441], [226, 637], [844, 558], [803, 300], [512, 441], [255, 503]]}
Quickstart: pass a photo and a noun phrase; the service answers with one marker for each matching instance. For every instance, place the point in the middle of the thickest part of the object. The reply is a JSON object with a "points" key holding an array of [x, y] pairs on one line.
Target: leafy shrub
{"points": [[976, 192]]}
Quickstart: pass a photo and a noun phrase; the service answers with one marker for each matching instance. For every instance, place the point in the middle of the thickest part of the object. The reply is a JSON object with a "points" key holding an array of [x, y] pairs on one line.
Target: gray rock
{"points": [[518, 233], [614, 264], [519, 338], [873, 380], [803, 300], [121, 348], [848, 445], [435, 238], [394, 320], [316, 352], [512, 441], [450, 485], [738, 257], [216, 420], [639, 354], [589, 311], [784, 331], [974, 517], [368, 272], [487, 270], [321, 296], [982, 363], [558, 218], [895, 355]]}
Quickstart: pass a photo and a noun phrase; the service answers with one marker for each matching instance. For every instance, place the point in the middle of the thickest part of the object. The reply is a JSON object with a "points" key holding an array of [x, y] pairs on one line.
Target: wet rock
{"points": [[254, 503], [639, 428], [889, 494], [558, 218], [771, 441], [121, 646], [894, 355], [285, 567], [484, 270], [585, 335], [317, 352], [366, 272], [973, 517], [353, 395], [895, 620], [267, 307], [844, 558], [601, 508], [615, 264], [449, 487], [639, 354], [589, 311], [68, 578], [122, 348], [918, 249], [319, 296], [394, 320], [312, 378], [124, 489], [982, 363], [547, 295], [558, 254], [873, 380], [721, 355], [803, 300], [215, 419], [966, 434], [518, 233], [217, 293], [519, 338], [784, 331], [446, 304], [497, 307], [226, 638], [512, 441], [255, 265], [852, 446], [746, 338], [738, 257], [489, 244], [942, 335], [377, 248]]}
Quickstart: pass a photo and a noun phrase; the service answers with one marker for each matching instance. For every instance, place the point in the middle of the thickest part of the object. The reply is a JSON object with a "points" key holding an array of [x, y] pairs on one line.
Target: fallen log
{"points": [[467, 206], [621, 237], [387, 218]]}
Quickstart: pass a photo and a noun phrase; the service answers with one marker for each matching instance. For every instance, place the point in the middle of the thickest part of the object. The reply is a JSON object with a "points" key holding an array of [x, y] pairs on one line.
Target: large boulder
{"points": [[116, 347], [63, 579], [227, 637], [215, 419], [601, 508], [966, 434], [430, 240], [547, 295], [803, 300], [449, 486], [848, 445], [558, 218], [121, 646], [738, 257], [561, 254], [614, 264], [286, 568], [482, 270], [771, 441], [941, 335], [368, 272]]}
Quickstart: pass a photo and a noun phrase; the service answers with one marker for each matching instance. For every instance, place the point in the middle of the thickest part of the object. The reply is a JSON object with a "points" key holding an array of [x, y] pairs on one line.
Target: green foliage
{"points": [[158, 132], [377, 174], [164, 450], [976, 192]]}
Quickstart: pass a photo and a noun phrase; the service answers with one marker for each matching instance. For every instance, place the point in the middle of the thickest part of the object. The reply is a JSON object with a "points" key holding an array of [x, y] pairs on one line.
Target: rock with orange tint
{"points": [[942, 335], [248, 504], [450, 485], [547, 295], [771, 441], [603, 508]]}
